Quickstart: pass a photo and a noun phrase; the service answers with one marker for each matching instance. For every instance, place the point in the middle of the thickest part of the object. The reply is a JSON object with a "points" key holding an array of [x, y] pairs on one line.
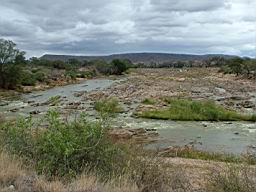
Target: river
{"points": [[228, 137]]}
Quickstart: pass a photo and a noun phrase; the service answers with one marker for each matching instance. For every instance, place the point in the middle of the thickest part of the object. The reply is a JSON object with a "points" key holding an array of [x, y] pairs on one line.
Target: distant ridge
{"points": [[145, 58]]}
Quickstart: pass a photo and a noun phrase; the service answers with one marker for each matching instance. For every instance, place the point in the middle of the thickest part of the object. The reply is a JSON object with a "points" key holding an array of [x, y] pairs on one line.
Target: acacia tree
{"points": [[8, 55]]}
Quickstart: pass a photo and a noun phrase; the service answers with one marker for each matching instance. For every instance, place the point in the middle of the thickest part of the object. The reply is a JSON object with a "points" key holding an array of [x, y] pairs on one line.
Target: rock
{"points": [[11, 187], [247, 104], [121, 134], [151, 129], [204, 124], [252, 146], [138, 131], [2, 104], [34, 112], [14, 110], [220, 90]]}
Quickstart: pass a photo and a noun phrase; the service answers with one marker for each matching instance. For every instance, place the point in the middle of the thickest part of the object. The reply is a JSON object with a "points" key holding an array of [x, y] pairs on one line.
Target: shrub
{"points": [[85, 74], [71, 74], [64, 148], [28, 79], [11, 76], [39, 76]]}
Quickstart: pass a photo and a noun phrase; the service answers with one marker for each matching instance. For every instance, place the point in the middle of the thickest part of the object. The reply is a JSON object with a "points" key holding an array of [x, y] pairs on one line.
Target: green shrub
{"points": [[64, 149], [39, 76], [11, 76], [28, 79], [85, 74], [71, 74]]}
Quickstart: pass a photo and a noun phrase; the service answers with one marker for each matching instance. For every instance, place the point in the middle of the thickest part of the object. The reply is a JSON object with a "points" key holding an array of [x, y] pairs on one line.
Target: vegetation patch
{"points": [[188, 110], [191, 153], [149, 101], [54, 100], [109, 106]]}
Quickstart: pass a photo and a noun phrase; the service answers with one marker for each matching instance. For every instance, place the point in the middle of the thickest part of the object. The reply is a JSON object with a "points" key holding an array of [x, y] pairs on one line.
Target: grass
{"points": [[188, 110], [24, 179], [191, 153], [149, 101], [54, 100], [110, 106]]}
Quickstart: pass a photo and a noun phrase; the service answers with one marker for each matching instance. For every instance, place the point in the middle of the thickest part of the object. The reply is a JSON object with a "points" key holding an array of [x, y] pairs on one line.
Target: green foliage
{"points": [[116, 67], [149, 101], [28, 78], [11, 76], [108, 106], [10, 57], [54, 100], [71, 74], [187, 110], [64, 149], [119, 66], [240, 66], [39, 76], [85, 74]]}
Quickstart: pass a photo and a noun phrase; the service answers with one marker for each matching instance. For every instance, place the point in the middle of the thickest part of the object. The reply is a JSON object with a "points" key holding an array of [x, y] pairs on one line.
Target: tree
{"points": [[119, 66], [236, 65], [9, 55], [8, 52]]}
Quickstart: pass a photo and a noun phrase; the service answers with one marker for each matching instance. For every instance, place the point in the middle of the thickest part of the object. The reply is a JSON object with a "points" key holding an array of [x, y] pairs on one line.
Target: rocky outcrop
{"points": [[137, 135]]}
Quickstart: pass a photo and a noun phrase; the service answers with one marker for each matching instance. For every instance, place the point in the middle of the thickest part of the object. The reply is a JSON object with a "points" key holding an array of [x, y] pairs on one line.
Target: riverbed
{"points": [[228, 137]]}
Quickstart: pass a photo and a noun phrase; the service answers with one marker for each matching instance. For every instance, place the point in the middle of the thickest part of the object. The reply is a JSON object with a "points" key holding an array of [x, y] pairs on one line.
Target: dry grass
{"points": [[14, 177]]}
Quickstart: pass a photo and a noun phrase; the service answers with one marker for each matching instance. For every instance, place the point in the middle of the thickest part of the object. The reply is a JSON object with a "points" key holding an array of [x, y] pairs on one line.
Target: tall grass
{"points": [[108, 106], [232, 178], [188, 110]]}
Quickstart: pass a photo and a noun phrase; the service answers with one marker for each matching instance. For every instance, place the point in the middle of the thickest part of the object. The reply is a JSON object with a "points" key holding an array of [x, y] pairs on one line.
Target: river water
{"points": [[228, 137]]}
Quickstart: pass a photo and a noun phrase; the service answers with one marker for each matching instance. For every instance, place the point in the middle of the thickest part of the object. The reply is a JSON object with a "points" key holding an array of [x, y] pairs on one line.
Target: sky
{"points": [[101, 27]]}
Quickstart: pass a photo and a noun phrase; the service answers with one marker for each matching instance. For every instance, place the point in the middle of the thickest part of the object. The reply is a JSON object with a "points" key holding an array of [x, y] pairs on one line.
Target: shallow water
{"points": [[228, 137], [224, 137]]}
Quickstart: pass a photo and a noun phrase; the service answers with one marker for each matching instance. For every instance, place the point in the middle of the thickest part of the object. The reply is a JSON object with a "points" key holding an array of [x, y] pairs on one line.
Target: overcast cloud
{"points": [[86, 27]]}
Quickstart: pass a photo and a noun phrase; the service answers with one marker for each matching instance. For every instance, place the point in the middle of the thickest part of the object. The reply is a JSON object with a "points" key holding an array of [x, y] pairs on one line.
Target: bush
{"points": [[71, 74], [11, 76], [85, 74], [28, 79], [39, 76], [64, 149]]}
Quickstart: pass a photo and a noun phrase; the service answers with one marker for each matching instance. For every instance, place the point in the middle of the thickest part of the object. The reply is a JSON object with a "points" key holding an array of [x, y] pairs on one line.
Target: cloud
{"points": [[114, 26]]}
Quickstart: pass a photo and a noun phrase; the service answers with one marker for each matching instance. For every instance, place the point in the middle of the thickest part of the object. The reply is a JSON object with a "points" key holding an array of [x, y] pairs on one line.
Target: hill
{"points": [[145, 58]]}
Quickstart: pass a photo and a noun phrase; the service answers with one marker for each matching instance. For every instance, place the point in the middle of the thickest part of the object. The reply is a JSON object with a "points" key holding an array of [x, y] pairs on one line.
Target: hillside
{"points": [[145, 58]]}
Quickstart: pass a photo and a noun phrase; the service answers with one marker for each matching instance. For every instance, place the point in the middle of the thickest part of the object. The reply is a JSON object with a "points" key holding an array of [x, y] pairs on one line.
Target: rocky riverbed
{"points": [[131, 89]]}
